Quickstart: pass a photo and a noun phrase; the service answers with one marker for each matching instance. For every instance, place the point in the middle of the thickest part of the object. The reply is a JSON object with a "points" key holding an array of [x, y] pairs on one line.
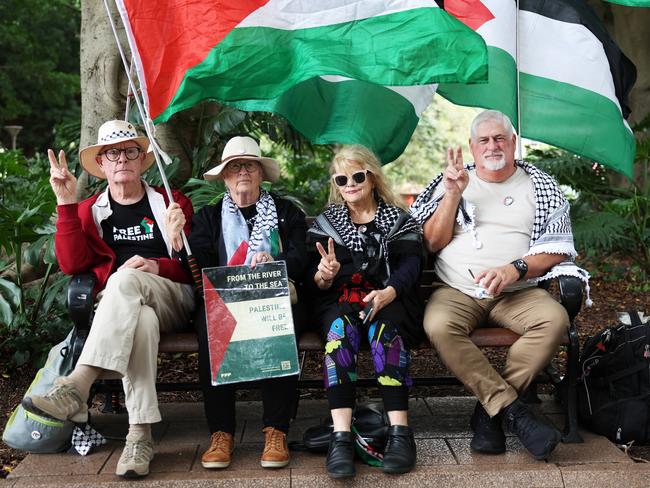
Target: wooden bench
{"points": [[81, 306]]}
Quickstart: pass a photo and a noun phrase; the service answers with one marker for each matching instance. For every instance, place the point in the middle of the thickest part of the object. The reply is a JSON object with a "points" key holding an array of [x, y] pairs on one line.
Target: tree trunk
{"points": [[104, 84]]}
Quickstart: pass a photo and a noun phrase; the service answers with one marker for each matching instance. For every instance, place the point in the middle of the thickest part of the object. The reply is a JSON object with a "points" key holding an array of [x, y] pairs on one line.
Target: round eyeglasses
{"points": [[249, 166], [358, 177], [131, 153]]}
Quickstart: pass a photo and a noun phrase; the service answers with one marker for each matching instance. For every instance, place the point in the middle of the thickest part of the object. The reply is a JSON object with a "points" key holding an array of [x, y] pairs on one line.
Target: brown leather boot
{"points": [[219, 453], [276, 452]]}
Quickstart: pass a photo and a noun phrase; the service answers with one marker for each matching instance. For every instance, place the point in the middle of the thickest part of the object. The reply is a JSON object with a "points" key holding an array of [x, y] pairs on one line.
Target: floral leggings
{"points": [[390, 359]]}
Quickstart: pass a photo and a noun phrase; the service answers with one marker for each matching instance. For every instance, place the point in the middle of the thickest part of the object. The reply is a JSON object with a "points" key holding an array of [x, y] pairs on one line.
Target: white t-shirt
{"points": [[503, 214]]}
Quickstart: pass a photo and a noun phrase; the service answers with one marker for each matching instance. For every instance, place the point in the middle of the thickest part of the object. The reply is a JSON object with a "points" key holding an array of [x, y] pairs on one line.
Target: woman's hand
{"points": [[261, 258], [379, 298], [63, 183], [143, 264], [328, 266], [174, 224]]}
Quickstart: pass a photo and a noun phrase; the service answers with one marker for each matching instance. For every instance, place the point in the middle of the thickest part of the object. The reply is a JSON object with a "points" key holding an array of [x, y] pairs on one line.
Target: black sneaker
{"points": [[488, 434], [340, 455], [539, 438], [400, 453]]}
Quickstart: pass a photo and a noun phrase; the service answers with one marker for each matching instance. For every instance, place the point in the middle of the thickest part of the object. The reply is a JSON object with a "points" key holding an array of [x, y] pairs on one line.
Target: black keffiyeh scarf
{"points": [[392, 222]]}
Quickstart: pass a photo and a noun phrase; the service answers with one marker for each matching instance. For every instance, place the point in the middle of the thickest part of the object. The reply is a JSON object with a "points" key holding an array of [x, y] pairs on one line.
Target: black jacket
{"points": [[206, 231]]}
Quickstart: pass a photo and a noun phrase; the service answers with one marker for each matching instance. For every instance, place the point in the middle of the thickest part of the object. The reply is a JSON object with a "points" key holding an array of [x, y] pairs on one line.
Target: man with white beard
{"points": [[497, 226]]}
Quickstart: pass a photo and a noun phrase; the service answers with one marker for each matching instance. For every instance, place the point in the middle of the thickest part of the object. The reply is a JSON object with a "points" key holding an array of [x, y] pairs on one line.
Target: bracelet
{"points": [[320, 275]]}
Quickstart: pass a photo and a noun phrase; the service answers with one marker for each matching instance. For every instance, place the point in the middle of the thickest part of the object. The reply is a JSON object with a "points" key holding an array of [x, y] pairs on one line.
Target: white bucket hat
{"points": [[243, 147], [112, 132]]}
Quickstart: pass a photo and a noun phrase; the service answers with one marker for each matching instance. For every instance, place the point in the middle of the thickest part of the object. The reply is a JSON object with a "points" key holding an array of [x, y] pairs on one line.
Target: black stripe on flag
{"points": [[578, 12]]}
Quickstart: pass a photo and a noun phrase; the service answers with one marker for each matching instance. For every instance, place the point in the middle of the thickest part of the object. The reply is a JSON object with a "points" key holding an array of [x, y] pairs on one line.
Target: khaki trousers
{"points": [[451, 316], [134, 308]]}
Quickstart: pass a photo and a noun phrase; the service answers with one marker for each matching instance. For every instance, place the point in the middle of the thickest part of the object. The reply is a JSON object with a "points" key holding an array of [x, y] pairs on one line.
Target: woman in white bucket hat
{"points": [[119, 235], [248, 226]]}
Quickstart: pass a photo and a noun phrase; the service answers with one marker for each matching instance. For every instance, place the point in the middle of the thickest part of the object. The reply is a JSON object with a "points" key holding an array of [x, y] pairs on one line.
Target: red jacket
{"points": [[80, 248]]}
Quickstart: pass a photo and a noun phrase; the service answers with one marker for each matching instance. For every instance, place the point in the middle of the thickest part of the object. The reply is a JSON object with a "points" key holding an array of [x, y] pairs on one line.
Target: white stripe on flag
{"points": [[294, 15]]}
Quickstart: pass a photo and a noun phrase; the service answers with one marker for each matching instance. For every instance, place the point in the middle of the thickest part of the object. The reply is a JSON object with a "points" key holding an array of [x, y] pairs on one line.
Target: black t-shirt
{"points": [[131, 230]]}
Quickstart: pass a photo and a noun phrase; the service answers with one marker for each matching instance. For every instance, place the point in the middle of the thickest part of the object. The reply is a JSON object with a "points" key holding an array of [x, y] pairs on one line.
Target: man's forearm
{"points": [[439, 229]]}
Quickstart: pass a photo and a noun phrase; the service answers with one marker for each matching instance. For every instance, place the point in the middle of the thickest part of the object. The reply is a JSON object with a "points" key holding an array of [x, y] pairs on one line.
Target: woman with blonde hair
{"points": [[366, 264]]}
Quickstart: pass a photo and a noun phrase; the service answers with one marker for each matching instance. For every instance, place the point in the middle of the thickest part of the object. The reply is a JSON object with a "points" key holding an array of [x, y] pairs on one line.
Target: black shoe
{"points": [[488, 434], [539, 438], [400, 452], [340, 455]]}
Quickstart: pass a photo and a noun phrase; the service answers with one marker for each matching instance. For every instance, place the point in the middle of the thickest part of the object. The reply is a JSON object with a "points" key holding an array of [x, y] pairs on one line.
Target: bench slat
{"points": [[312, 341]]}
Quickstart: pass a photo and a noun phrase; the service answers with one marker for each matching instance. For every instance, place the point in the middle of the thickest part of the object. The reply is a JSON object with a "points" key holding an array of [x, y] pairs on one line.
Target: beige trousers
{"points": [[133, 309], [450, 317]]}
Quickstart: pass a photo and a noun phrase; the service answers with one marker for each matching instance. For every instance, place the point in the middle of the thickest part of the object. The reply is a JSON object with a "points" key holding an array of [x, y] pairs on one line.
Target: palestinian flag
{"points": [[335, 109], [323, 64], [574, 80]]}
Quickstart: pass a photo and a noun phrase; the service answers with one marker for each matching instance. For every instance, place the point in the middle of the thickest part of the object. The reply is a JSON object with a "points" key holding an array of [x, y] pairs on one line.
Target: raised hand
{"points": [[63, 183], [328, 266], [455, 177], [174, 224]]}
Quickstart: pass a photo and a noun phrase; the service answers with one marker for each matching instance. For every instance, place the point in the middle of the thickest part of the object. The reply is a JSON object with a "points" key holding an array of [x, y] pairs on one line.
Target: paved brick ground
{"points": [[444, 457]]}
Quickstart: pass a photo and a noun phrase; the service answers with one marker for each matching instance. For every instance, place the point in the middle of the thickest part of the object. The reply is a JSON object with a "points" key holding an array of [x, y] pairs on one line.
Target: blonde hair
{"points": [[357, 155]]}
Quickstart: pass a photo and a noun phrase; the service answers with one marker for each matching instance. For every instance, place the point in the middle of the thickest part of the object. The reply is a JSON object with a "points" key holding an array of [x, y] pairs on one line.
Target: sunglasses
{"points": [[358, 177]]}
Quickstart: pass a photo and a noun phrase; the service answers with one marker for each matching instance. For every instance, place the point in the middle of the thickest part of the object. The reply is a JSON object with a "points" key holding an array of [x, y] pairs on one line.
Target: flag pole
{"points": [[519, 150], [196, 272]]}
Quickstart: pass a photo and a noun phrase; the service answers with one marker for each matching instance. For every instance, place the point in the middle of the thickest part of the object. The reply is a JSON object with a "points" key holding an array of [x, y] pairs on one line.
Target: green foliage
{"points": [[304, 166], [31, 317], [442, 125], [39, 67]]}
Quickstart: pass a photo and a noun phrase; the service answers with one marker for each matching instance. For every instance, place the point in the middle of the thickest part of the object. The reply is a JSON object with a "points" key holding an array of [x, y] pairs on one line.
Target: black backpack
{"points": [[614, 381]]}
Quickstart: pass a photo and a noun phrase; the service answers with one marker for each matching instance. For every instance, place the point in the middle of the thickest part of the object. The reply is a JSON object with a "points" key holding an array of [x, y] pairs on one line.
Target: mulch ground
{"points": [[609, 299]]}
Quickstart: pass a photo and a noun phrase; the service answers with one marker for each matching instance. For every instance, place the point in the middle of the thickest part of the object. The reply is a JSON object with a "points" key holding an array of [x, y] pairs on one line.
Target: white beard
{"points": [[495, 165]]}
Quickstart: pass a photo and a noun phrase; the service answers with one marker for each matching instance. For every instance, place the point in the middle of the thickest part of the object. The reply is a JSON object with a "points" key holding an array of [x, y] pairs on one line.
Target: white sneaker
{"points": [[136, 456]]}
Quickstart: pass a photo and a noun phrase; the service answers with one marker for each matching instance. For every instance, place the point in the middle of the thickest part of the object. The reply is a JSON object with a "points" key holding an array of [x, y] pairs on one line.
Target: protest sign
{"points": [[249, 323]]}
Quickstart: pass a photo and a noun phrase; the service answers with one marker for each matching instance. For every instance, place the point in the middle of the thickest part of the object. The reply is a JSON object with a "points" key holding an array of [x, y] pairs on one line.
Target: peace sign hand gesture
{"points": [[64, 183], [328, 266], [455, 177]]}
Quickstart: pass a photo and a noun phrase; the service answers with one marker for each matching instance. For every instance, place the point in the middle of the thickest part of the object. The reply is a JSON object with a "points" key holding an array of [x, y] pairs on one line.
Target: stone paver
{"points": [[444, 456]]}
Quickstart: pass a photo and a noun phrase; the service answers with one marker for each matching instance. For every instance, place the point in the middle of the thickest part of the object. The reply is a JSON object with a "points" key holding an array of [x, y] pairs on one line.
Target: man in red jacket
{"points": [[119, 235]]}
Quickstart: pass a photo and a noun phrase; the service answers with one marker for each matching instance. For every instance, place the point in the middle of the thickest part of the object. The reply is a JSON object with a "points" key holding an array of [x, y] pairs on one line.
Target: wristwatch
{"points": [[521, 266]]}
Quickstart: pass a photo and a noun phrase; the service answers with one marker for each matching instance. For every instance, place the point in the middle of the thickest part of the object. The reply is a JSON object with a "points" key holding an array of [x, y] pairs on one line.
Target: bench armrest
{"points": [[81, 303], [81, 300], [570, 293]]}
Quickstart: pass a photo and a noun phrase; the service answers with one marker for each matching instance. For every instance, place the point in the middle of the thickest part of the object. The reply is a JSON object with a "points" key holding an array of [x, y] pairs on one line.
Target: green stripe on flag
{"points": [[411, 47], [499, 93], [345, 112], [248, 360], [556, 112], [631, 3]]}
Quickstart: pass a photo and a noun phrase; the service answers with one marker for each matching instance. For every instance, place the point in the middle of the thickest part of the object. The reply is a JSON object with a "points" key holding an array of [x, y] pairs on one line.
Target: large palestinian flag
{"points": [[574, 81], [322, 64]]}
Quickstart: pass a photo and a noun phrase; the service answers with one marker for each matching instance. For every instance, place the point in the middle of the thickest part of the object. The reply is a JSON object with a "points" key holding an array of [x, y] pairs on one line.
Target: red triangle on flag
{"points": [[472, 13], [220, 324], [239, 257]]}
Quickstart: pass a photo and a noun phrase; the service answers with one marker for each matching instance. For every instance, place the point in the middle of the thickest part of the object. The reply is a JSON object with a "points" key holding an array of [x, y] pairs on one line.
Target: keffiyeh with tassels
{"points": [[236, 236], [551, 229]]}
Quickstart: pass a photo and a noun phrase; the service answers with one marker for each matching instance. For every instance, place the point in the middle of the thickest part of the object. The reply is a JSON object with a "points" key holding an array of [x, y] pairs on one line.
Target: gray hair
{"points": [[495, 115]]}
